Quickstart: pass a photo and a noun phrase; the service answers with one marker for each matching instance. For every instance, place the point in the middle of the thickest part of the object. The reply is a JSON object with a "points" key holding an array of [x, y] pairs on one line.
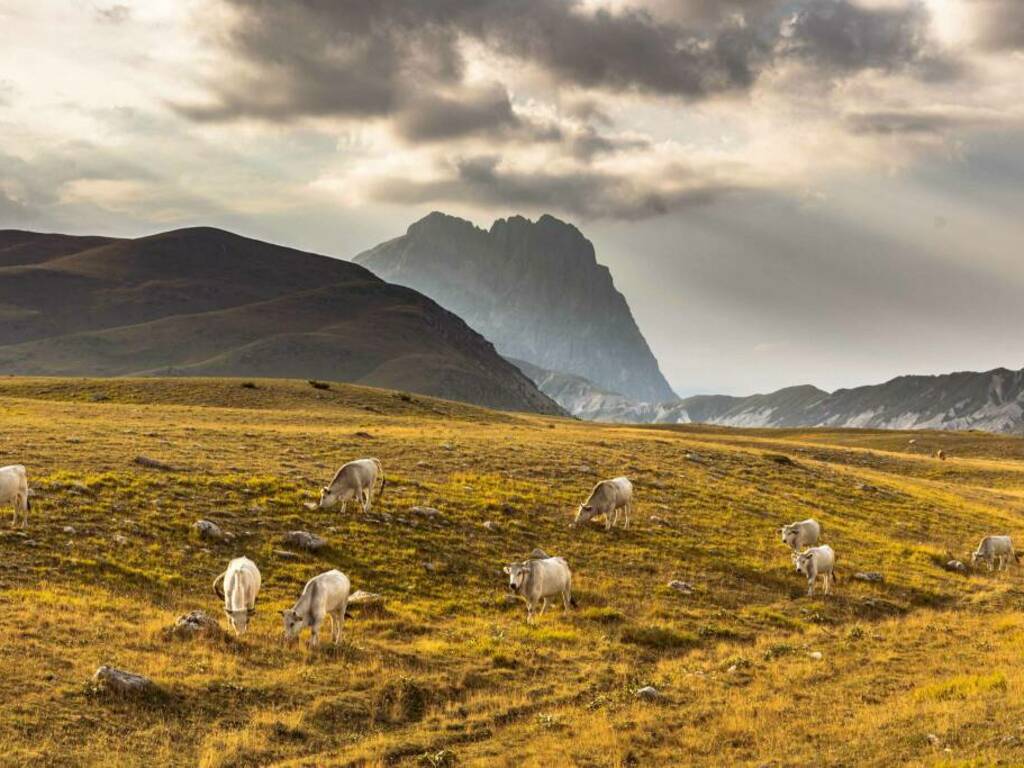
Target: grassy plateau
{"points": [[923, 668]]}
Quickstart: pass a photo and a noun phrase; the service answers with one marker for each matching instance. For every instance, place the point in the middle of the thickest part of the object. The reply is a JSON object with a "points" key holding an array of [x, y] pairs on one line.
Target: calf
{"points": [[797, 536], [354, 480], [607, 498], [997, 551], [537, 580], [14, 491], [323, 595], [238, 587], [815, 562]]}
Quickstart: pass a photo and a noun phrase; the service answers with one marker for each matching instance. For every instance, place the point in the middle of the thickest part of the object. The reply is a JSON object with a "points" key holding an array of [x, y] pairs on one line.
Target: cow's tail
{"points": [[217, 589], [572, 601], [383, 480], [28, 501]]}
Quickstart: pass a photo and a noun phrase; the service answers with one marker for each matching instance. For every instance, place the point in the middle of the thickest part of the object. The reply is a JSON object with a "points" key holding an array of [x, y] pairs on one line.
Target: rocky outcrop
{"points": [[535, 290]]}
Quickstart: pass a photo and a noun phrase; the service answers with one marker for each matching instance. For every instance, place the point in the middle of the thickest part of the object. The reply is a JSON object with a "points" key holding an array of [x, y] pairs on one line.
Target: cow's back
{"points": [[623, 490], [13, 480], [550, 576], [361, 472]]}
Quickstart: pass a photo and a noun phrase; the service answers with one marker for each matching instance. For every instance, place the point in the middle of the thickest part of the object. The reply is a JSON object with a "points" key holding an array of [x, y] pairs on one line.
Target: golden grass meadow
{"points": [[924, 668]]}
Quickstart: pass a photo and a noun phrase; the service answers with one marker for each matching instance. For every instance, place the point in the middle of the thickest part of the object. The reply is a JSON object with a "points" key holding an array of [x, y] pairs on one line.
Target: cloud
{"points": [[1000, 23], [378, 57], [483, 181], [114, 14]]}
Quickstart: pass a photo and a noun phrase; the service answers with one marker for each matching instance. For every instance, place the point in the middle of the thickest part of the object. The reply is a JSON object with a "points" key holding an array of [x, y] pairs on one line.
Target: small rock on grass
{"points": [[192, 624], [873, 576], [284, 554], [304, 540], [205, 529], [425, 512], [146, 461], [816, 655], [121, 682], [538, 554], [957, 567], [492, 526], [681, 586], [648, 693]]}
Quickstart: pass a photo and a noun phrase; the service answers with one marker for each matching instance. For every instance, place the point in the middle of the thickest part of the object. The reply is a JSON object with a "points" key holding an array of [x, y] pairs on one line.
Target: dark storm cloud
{"points": [[839, 35], [587, 194], [895, 123]]}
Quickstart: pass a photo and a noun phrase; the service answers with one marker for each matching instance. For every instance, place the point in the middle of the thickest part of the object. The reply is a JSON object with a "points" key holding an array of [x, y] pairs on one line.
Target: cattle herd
{"points": [[534, 580]]}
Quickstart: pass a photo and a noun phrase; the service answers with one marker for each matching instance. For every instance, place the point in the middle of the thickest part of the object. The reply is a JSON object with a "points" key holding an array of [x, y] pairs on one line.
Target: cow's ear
{"points": [[507, 569], [588, 508], [325, 490]]}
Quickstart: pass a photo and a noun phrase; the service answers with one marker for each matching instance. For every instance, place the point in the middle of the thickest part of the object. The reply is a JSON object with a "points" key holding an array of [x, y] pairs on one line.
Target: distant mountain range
{"points": [[535, 290], [206, 302], [992, 401]]}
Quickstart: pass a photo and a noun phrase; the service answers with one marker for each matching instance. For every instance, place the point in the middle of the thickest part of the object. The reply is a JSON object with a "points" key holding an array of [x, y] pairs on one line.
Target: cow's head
{"points": [[789, 535], [583, 514], [516, 576], [802, 562], [328, 498], [976, 556], [240, 619], [293, 624]]}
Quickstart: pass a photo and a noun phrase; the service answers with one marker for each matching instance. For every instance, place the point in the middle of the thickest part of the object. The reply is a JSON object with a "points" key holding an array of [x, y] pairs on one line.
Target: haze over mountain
{"points": [[204, 301], [992, 401], [534, 289]]}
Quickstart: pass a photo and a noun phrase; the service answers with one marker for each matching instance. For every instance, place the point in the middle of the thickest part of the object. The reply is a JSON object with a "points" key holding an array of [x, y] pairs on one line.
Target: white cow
{"points": [[354, 480], [537, 580], [323, 595], [14, 491], [607, 498], [815, 562], [997, 551], [238, 587], [806, 533]]}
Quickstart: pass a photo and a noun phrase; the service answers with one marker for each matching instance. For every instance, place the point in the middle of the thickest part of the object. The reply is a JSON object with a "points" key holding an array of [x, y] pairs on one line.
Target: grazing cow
{"points": [[815, 562], [537, 580], [940, 455], [997, 551], [323, 595], [607, 498], [238, 587], [14, 491], [355, 480], [797, 536]]}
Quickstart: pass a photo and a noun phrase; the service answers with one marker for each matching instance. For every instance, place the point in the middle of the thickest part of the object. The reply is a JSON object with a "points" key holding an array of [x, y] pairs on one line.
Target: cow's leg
{"points": [[314, 633], [828, 583], [810, 586], [567, 598], [609, 520], [626, 510], [530, 606], [344, 505], [367, 501]]}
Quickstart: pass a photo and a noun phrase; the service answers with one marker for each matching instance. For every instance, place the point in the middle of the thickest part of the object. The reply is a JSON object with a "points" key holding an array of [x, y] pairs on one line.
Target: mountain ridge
{"points": [[534, 288]]}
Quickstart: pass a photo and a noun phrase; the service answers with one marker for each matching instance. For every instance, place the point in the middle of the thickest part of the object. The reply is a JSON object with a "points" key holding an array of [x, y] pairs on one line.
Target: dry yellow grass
{"points": [[923, 669]]}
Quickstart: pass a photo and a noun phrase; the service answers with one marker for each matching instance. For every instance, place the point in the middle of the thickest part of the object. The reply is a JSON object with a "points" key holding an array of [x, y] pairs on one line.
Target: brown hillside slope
{"points": [[205, 301]]}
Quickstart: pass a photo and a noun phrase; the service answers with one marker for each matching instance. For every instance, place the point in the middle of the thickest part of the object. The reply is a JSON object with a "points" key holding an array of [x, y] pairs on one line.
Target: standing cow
{"points": [[797, 536], [354, 480], [238, 587], [537, 580], [997, 551], [14, 491], [324, 595], [817, 562], [607, 498]]}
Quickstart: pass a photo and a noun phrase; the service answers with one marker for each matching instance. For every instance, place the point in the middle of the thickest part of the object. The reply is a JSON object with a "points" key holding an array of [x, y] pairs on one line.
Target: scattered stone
{"points": [[957, 567], [648, 693], [429, 567], [586, 468], [207, 530], [363, 435], [538, 554], [310, 505], [696, 457], [447, 447], [122, 683], [873, 576], [866, 487], [145, 461], [120, 538], [816, 655], [492, 526], [284, 554], [912, 441], [780, 458], [319, 384], [681, 586], [304, 540], [359, 597], [192, 624], [69, 529], [934, 740], [425, 512], [99, 397]]}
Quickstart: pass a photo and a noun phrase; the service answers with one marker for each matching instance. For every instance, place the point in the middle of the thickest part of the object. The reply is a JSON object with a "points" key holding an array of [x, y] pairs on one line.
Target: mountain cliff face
{"points": [[206, 302], [992, 401], [534, 289]]}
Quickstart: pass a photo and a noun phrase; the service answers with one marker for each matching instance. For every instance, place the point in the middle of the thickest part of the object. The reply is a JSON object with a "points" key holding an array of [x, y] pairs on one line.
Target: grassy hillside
{"points": [[923, 669]]}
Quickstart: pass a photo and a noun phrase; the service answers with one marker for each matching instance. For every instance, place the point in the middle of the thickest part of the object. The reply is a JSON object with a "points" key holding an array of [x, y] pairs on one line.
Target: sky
{"points": [[786, 191]]}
